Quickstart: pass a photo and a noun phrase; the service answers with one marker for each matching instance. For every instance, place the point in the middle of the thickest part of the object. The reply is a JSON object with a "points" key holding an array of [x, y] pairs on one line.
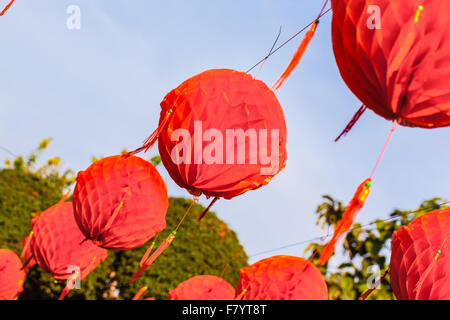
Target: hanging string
{"points": [[355, 205], [379, 281], [7, 151], [163, 246], [362, 227], [208, 208], [311, 259], [289, 40], [270, 52], [394, 127], [224, 269]]}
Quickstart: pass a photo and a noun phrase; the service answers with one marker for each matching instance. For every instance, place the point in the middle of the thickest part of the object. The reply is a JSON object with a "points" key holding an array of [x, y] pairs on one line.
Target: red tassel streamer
{"points": [[153, 257], [351, 211], [424, 276], [144, 264], [297, 56], [352, 122], [6, 8], [149, 250], [68, 287], [150, 141], [140, 293], [368, 292], [207, 209]]}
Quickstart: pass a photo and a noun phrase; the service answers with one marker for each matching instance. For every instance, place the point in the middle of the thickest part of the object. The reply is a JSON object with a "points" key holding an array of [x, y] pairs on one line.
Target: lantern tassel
{"points": [[148, 251], [166, 243], [297, 56], [241, 295], [112, 218], [64, 293], [350, 213], [140, 293], [368, 292], [6, 8], [207, 209], [68, 287], [355, 205], [150, 141], [352, 122], [424, 276], [163, 246]]}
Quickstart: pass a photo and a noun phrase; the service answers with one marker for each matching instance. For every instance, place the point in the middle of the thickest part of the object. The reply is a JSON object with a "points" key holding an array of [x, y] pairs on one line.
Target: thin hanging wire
{"points": [[395, 217], [287, 41]]}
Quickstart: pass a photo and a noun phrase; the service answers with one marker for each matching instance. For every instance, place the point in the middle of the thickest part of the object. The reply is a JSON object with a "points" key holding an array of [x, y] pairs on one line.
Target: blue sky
{"points": [[97, 90]]}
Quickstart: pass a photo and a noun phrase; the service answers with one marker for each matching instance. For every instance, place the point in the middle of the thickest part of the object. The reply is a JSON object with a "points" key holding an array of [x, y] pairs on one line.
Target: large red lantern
{"points": [[204, 287], [395, 57], [221, 133], [11, 275], [282, 278], [120, 202], [226, 134], [420, 258]]}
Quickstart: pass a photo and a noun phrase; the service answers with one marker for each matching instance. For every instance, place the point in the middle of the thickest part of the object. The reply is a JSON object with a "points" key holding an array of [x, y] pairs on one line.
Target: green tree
{"points": [[364, 247], [204, 247]]}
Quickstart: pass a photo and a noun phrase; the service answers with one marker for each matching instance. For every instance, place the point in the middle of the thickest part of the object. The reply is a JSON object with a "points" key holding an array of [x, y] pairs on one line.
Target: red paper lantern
{"points": [[420, 258], [204, 146], [58, 247], [281, 278], [120, 202], [11, 275], [395, 57], [204, 287]]}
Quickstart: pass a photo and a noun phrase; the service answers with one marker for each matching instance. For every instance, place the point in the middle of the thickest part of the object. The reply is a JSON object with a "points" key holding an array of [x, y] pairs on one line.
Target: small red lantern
{"points": [[11, 275], [420, 258], [282, 278], [58, 247], [204, 287], [120, 202]]}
